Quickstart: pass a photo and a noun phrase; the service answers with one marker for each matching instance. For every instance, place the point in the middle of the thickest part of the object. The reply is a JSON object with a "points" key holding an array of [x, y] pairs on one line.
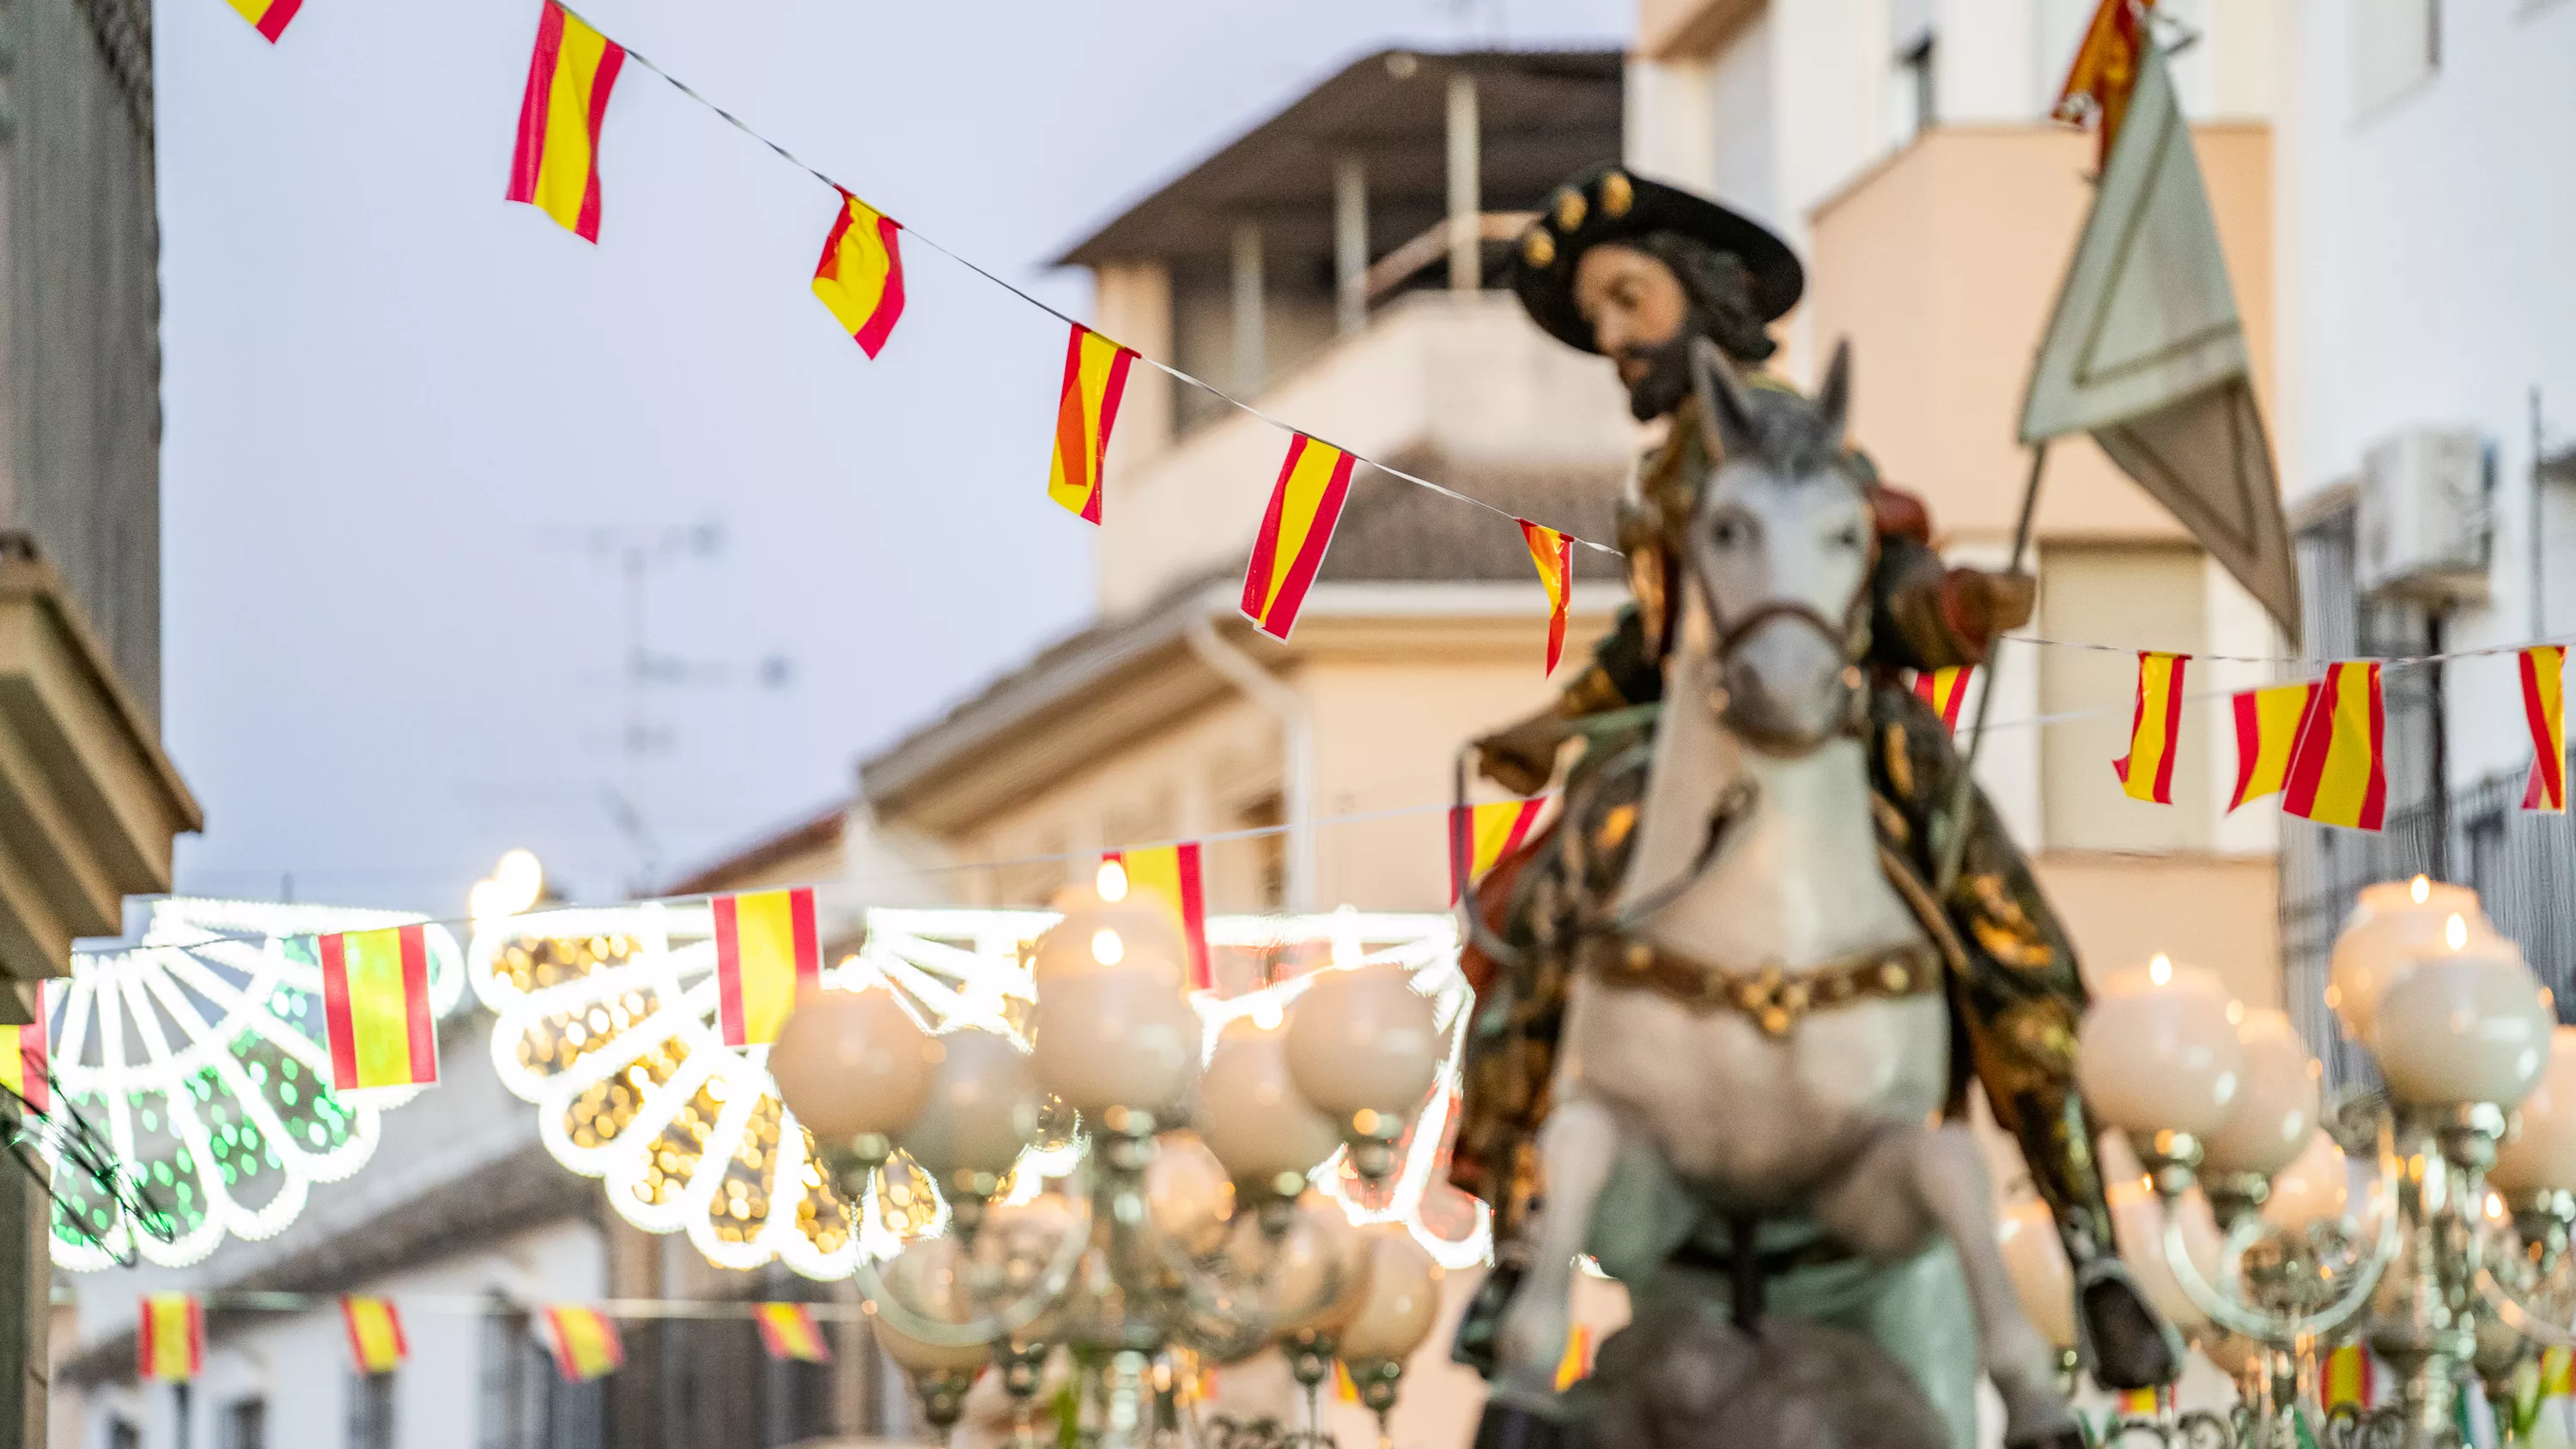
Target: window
{"points": [[2397, 45], [244, 1425], [371, 1411]]}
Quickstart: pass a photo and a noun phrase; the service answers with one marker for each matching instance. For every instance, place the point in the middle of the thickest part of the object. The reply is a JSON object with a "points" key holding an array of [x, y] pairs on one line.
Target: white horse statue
{"points": [[1758, 1035]]}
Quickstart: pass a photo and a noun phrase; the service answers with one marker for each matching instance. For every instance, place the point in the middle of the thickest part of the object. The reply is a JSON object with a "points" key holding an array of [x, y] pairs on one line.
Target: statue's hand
{"points": [[1982, 607], [1522, 757]]}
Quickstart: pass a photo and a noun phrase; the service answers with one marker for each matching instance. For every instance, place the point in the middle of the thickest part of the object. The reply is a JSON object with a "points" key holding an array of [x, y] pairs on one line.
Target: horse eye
{"points": [[1726, 533], [1849, 537]]}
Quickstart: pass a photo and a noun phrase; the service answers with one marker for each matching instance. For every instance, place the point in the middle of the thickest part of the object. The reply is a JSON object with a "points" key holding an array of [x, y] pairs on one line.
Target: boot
{"points": [[1483, 1321], [2127, 1344]]}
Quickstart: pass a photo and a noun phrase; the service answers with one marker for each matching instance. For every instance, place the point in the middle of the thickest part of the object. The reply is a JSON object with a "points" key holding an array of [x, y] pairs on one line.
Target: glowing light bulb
{"points": [[2160, 969], [2421, 888], [519, 881], [2235, 1013], [1106, 948], [1111, 882], [485, 903], [2455, 931], [2495, 1207]]}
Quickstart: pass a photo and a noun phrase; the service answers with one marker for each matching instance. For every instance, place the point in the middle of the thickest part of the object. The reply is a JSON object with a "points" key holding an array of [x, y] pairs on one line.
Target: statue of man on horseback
{"points": [[1721, 1000]]}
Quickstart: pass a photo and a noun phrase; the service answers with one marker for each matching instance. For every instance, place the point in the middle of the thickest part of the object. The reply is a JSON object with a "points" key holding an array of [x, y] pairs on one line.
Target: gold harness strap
{"points": [[1775, 1000]]}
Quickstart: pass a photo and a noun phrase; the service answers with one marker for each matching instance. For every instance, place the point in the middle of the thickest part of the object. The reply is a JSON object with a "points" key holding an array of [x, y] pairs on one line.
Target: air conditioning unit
{"points": [[2422, 518]]}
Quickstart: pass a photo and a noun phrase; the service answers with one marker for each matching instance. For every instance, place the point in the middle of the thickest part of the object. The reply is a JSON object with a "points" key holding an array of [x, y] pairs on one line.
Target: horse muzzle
{"points": [[1786, 684]]}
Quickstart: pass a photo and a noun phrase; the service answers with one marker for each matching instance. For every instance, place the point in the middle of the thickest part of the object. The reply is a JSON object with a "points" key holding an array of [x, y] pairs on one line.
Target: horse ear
{"points": [[1833, 400], [1724, 410]]}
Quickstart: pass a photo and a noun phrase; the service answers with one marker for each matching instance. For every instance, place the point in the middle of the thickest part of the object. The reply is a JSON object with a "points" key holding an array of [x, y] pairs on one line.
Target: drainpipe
{"points": [[1296, 746]]}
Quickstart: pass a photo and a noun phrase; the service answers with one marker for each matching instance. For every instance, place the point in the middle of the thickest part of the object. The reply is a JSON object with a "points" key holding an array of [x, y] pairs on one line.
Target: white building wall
{"points": [[2426, 282]]}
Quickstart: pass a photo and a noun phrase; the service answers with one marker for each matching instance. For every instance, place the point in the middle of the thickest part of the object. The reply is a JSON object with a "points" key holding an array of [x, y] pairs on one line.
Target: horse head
{"points": [[1780, 544]]}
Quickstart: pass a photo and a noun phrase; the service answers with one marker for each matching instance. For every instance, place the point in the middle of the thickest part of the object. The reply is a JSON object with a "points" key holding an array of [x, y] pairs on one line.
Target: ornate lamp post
{"points": [[1186, 1223], [2428, 1269]]}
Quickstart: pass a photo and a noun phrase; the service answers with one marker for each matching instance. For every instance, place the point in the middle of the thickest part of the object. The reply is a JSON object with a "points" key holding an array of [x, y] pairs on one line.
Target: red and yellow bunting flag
{"points": [[2155, 730], [24, 1066], [268, 17], [1168, 875], [2105, 71], [376, 1343], [2338, 772], [2544, 708], [2267, 728], [2141, 1403], [861, 275], [768, 955], [375, 1008], [2349, 1378], [1576, 1365], [787, 1331], [1345, 1388], [1305, 504], [1095, 374], [1553, 552], [556, 166], [1945, 690], [585, 1343], [170, 1339], [1481, 835]]}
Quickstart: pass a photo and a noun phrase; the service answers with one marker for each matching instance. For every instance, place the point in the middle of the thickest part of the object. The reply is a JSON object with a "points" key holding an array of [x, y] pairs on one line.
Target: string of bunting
{"points": [[583, 1338]]}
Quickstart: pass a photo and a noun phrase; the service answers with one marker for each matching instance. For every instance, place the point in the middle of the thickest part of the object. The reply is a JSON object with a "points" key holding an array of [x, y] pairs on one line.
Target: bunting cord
{"points": [[497, 1304], [810, 169]]}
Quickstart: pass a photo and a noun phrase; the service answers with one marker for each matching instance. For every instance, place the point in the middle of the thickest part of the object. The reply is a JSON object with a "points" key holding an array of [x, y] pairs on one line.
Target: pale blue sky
{"points": [[399, 412]]}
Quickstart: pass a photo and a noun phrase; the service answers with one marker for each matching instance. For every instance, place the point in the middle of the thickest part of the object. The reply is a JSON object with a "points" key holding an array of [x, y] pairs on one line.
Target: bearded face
{"points": [[1643, 320]]}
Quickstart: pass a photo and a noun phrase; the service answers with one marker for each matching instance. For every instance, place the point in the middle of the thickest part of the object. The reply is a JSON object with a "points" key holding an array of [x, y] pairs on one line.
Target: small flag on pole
{"points": [[170, 1341], [2338, 772], [2155, 730], [1945, 690], [1095, 374], [23, 1063], [1481, 835], [376, 1343], [1305, 504], [861, 274], [375, 1008], [1576, 1365], [570, 75], [2267, 727], [2105, 71], [788, 1331], [584, 1342], [1553, 552], [768, 955], [2544, 708], [268, 17], [1168, 875]]}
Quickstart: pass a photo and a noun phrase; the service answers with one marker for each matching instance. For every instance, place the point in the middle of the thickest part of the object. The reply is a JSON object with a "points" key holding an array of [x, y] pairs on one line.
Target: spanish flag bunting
{"points": [[1576, 1365], [1345, 1388], [1168, 875], [585, 1343], [788, 1331], [2544, 708], [861, 274], [2267, 727], [1480, 836], [1945, 690], [768, 954], [2105, 71], [376, 1343], [1305, 504], [268, 17], [170, 1340], [2155, 730], [2338, 773], [1095, 374], [1553, 552], [570, 75], [23, 1064], [375, 1008], [2140, 1403], [2350, 1378]]}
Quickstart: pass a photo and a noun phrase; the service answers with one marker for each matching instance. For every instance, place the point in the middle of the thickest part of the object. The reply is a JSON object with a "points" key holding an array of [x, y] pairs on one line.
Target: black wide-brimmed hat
{"points": [[1607, 203]]}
